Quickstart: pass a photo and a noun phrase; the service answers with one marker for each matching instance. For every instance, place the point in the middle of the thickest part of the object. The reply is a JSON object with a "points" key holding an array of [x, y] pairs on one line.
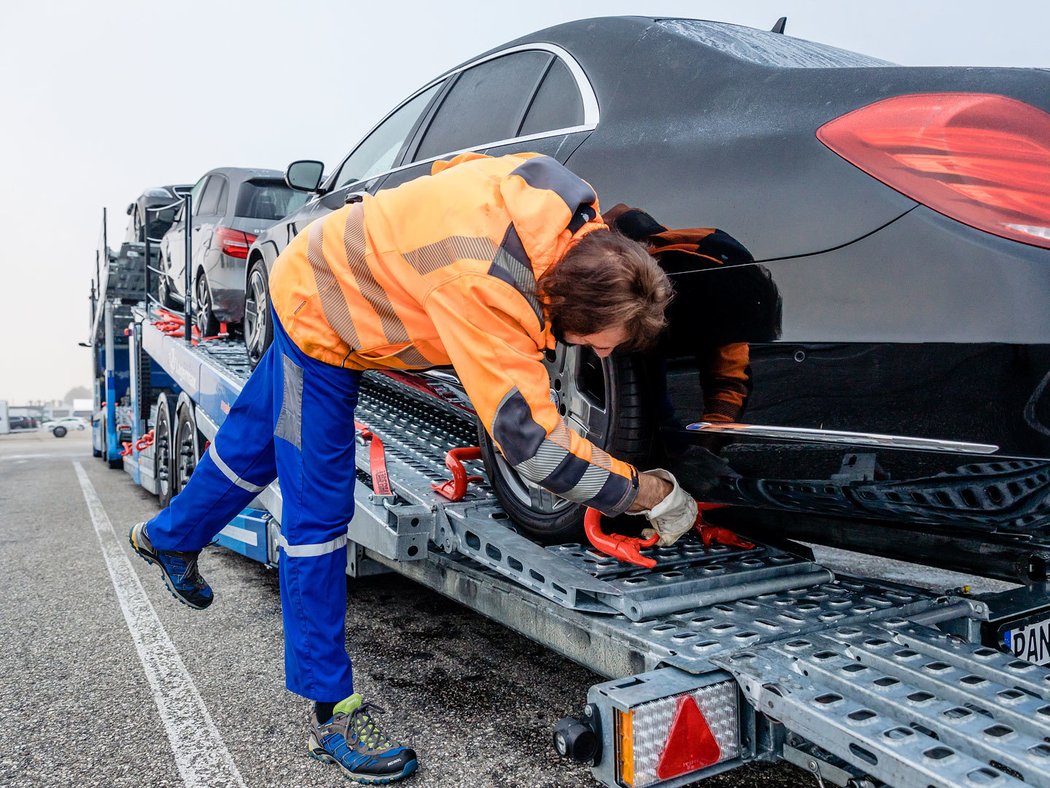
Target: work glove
{"points": [[673, 516]]}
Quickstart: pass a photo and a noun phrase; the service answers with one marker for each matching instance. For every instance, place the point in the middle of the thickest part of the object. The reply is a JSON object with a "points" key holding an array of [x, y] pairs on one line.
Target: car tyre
{"points": [[186, 451], [203, 309], [258, 323], [59, 432], [603, 400], [164, 288], [162, 454]]}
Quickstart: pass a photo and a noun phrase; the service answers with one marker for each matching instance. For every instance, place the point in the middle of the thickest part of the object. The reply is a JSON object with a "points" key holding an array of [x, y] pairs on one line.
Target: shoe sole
{"points": [[318, 753], [167, 580]]}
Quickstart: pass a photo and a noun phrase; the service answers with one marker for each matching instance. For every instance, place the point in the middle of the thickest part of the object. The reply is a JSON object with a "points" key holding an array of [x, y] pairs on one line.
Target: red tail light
{"points": [[978, 158], [234, 243]]}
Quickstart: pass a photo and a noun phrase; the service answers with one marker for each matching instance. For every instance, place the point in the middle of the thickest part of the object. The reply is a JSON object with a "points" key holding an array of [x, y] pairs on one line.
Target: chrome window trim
{"points": [[591, 110]]}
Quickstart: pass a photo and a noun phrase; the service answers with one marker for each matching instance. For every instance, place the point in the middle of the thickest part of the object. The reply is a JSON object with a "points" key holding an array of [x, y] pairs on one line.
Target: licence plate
{"points": [[1030, 642]]}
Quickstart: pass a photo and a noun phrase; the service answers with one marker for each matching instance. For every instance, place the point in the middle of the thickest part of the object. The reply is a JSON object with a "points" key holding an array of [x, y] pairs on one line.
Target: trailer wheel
{"points": [[602, 399], [59, 432], [258, 326], [162, 441], [186, 452]]}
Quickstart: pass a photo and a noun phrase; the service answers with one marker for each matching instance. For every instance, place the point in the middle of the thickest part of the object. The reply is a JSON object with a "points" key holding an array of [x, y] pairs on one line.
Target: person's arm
{"points": [[492, 336]]}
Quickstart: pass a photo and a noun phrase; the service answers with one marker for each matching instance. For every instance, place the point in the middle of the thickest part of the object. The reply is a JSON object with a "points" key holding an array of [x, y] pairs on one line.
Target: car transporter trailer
{"points": [[716, 657]]}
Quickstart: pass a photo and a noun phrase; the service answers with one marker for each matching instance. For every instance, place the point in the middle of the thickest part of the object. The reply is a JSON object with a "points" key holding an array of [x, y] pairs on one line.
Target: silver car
{"points": [[231, 206]]}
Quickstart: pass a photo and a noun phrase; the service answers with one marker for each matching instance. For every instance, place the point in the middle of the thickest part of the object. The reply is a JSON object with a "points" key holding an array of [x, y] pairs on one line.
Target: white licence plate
{"points": [[1030, 642]]}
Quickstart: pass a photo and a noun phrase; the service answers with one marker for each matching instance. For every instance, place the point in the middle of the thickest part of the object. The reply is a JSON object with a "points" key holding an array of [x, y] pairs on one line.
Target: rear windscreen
{"points": [[267, 200]]}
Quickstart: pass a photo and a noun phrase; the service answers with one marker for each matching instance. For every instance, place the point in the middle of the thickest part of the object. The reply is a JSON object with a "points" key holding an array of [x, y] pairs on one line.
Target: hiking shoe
{"points": [[179, 569], [352, 741]]}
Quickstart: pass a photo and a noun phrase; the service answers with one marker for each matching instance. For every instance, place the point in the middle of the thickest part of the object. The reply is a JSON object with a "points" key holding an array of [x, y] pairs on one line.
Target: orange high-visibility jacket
{"points": [[442, 270]]}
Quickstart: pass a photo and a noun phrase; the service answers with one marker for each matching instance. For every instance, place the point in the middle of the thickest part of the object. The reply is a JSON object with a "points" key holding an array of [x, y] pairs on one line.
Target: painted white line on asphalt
{"points": [[200, 754]]}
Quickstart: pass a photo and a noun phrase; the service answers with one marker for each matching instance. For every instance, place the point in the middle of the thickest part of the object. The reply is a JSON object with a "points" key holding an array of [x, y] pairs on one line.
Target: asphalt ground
{"points": [[477, 701]]}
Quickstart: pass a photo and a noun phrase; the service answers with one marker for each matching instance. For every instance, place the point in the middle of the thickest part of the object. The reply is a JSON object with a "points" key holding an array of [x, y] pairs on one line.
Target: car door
{"points": [[529, 98], [207, 215]]}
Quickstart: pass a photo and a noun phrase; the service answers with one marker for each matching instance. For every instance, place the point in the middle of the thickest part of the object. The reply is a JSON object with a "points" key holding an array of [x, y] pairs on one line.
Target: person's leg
{"points": [[238, 465], [314, 440]]}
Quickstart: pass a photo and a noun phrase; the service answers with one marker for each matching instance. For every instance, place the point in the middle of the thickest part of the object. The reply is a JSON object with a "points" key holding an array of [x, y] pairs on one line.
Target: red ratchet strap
{"points": [[128, 446], [623, 548], [145, 441], [376, 461], [713, 534], [456, 487], [173, 325]]}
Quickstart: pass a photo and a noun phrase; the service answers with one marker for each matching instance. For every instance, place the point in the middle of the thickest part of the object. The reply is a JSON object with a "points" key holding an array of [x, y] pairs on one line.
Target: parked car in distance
{"points": [[153, 212], [231, 206], [890, 313], [59, 427]]}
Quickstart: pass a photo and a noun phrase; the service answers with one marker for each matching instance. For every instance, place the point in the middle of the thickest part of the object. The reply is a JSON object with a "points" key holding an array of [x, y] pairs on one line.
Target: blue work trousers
{"points": [[294, 420]]}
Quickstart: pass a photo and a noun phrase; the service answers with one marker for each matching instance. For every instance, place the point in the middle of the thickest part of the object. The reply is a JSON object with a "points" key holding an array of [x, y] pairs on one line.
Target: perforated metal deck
{"points": [[906, 704]]}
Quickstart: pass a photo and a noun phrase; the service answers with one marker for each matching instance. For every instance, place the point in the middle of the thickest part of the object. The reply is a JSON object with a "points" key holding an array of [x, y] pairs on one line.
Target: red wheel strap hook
{"points": [[713, 534], [618, 546], [456, 487]]}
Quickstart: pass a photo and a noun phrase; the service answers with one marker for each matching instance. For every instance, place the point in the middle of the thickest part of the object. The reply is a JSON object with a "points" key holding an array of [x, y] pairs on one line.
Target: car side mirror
{"points": [[305, 175]]}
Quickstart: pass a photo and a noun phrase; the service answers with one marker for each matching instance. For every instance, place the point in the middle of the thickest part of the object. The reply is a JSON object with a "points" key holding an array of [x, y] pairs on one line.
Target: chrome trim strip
{"points": [[839, 436]]}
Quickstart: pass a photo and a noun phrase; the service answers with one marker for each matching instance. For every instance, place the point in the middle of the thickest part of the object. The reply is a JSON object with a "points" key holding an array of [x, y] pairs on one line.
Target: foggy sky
{"points": [[104, 99]]}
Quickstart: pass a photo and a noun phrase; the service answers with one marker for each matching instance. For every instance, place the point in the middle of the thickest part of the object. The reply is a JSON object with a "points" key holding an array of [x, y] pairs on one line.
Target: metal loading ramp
{"points": [[906, 704]]}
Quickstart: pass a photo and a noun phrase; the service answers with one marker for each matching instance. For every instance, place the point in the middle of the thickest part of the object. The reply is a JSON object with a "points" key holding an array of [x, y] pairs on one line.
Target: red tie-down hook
{"points": [[628, 549], [623, 548], [713, 534], [456, 487]]}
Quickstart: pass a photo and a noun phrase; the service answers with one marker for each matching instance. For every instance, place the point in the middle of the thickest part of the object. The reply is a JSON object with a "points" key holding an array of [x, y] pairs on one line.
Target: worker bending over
{"points": [[481, 265]]}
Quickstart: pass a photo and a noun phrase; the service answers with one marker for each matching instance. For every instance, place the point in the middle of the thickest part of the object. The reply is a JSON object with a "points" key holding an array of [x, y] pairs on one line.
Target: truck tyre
{"points": [[603, 400], [59, 432], [258, 324], [162, 456], [185, 447]]}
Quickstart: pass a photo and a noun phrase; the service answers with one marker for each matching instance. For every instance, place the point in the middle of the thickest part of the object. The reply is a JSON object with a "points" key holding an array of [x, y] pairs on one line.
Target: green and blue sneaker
{"points": [[352, 740], [179, 569]]}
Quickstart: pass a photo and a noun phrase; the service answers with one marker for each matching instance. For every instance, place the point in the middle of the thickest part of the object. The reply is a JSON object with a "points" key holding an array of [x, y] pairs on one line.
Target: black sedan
{"points": [[871, 352]]}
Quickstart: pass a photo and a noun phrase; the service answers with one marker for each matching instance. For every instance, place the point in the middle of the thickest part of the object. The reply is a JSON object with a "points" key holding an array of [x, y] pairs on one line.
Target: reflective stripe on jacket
{"points": [[442, 270]]}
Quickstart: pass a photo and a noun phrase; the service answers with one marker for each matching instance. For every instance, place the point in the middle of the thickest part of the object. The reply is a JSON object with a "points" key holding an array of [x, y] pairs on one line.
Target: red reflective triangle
{"points": [[691, 745]]}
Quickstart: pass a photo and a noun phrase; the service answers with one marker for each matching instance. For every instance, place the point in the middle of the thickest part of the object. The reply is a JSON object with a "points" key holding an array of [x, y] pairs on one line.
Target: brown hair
{"points": [[607, 280]]}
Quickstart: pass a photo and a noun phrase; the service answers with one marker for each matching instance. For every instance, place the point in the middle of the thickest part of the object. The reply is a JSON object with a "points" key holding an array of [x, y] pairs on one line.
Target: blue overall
{"points": [[294, 419]]}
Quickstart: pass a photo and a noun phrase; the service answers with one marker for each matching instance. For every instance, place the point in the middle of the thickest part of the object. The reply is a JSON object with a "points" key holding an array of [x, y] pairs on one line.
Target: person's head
{"points": [[606, 292]]}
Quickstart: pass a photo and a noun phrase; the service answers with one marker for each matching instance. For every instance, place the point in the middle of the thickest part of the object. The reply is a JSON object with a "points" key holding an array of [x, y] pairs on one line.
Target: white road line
{"points": [[200, 754]]}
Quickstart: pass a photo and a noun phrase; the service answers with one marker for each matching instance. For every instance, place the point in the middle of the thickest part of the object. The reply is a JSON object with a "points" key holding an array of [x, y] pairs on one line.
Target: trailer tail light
{"points": [[234, 243], [677, 735], [979, 158]]}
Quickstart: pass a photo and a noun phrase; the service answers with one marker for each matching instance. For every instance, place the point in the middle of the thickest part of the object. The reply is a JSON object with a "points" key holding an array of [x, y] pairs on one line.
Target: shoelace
{"points": [[188, 571], [366, 729]]}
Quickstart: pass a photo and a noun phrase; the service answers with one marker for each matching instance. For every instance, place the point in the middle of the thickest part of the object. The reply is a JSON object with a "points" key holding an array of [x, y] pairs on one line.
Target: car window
{"points": [[209, 201], [378, 150], [268, 199], [195, 195], [557, 104], [224, 194], [485, 104]]}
